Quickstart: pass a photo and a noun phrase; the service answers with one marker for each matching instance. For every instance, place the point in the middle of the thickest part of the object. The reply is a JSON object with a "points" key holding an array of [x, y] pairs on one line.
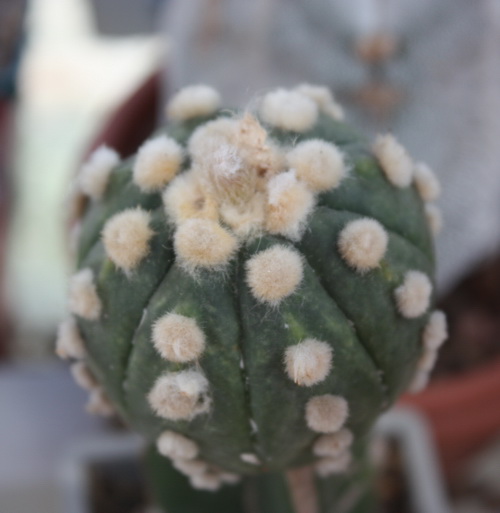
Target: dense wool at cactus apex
{"points": [[253, 288]]}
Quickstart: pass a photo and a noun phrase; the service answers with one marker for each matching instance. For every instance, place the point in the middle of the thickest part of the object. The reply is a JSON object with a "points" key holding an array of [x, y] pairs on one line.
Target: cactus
{"points": [[253, 290]]}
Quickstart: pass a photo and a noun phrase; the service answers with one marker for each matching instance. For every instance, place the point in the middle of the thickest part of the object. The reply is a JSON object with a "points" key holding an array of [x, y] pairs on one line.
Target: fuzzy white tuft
{"points": [[206, 137], [323, 98], [318, 163], [289, 204], [419, 382], [436, 331], [176, 446], [274, 274], [229, 477], [209, 482], [289, 110], [426, 181], [126, 238], [308, 362], [190, 467], [193, 101], [434, 218], [250, 458], [334, 444], [395, 161], [178, 338], [427, 360], [94, 175], [83, 298], [329, 466], [363, 243], [158, 161], [180, 395], [326, 413], [99, 404], [69, 343], [83, 376], [203, 243], [414, 295]]}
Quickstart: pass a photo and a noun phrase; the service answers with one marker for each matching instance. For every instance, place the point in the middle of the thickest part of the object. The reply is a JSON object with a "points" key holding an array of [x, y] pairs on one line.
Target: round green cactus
{"points": [[254, 289]]}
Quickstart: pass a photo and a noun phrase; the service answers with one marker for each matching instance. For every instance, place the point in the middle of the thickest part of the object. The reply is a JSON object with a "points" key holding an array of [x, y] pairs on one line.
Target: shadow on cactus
{"points": [[253, 290]]}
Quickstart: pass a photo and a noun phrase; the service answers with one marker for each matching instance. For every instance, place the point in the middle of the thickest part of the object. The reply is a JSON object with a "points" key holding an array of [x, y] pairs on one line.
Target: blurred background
{"points": [[76, 73]]}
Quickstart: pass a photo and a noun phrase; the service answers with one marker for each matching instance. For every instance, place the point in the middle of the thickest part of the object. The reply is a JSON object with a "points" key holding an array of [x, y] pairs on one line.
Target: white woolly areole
{"points": [[414, 295], [83, 298], [395, 161], [334, 444], [126, 238], [323, 98], [434, 218], [318, 163], [419, 382], [209, 481], [176, 446], [363, 243], [193, 101], [69, 343], [250, 458], [329, 466], [178, 338], [436, 331], [83, 376], [99, 404], [274, 274], [308, 362], [180, 395], [158, 161], [94, 175], [203, 243], [326, 413], [229, 477], [426, 181], [289, 204], [190, 467], [427, 360], [289, 110]]}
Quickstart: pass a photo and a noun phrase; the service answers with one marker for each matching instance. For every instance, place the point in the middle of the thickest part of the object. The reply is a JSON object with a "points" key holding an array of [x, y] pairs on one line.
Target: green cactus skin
{"points": [[255, 407]]}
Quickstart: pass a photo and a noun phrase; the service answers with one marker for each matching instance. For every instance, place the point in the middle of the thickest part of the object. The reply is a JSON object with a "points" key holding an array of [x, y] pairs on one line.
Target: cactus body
{"points": [[259, 286]]}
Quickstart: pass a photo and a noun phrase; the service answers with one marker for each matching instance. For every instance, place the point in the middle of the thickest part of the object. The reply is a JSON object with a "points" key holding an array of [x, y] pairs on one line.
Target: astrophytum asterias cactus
{"points": [[254, 288]]}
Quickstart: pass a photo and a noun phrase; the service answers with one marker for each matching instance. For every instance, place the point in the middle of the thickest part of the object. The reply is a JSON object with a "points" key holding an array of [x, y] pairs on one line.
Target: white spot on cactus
{"points": [[274, 274], [203, 243], [250, 458], [83, 298], [427, 360], [323, 98], [326, 413], [413, 296], [178, 338], [126, 238], [176, 446], [206, 137], [193, 101], [83, 376], [363, 243], [395, 161], [209, 481], [434, 218], [99, 404], [419, 382], [329, 466], [229, 478], [253, 426], [318, 163], [158, 161], [69, 343], [180, 395], [94, 175], [289, 204], [334, 444], [436, 331], [190, 467], [427, 184], [308, 362], [289, 110]]}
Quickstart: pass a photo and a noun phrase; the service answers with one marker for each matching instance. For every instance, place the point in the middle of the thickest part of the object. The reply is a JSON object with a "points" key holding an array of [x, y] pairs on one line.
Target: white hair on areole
{"points": [[83, 298], [333, 444], [288, 110], [323, 98], [435, 331], [210, 481], [69, 342], [94, 175], [419, 381], [326, 413], [308, 362], [329, 466], [193, 101], [434, 218], [414, 294], [426, 181], [158, 161], [99, 403], [83, 376], [394, 160], [190, 467], [176, 446], [250, 458], [363, 243]]}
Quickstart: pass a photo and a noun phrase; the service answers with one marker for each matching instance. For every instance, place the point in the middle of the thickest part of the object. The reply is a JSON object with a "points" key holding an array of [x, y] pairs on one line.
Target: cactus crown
{"points": [[254, 289]]}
